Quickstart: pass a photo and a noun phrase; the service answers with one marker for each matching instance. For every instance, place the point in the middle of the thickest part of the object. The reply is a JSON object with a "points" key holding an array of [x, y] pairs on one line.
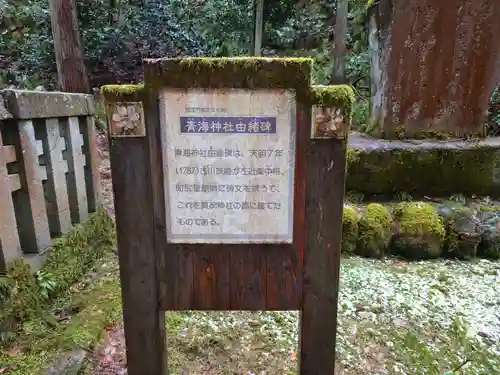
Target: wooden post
{"points": [[71, 71], [143, 321], [324, 206], [237, 240], [339, 50]]}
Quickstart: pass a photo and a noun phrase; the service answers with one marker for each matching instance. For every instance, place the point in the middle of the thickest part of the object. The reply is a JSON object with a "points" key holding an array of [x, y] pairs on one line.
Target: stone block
{"points": [[423, 167], [23, 104]]}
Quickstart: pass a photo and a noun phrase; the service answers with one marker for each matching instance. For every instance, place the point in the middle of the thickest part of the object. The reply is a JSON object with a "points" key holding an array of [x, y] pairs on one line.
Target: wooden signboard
{"points": [[225, 199]]}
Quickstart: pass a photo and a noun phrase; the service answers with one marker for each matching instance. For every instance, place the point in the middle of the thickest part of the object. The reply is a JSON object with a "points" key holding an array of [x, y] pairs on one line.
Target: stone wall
{"points": [[49, 177], [435, 64], [423, 167]]}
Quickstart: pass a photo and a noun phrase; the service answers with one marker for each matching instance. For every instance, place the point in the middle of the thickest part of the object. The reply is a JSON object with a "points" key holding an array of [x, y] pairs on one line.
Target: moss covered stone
{"points": [[377, 167], [350, 229], [73, 254], [462, 231], [489, 247], [419, 233], [25, 293], [116, 93], [375, 230], [234, 72]]}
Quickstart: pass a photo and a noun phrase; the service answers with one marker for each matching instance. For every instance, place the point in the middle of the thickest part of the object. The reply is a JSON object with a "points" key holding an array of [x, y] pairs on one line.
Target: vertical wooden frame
{"points": [[157, 275], [325, 180], [229, 276], [135, 223], [326, 172]]}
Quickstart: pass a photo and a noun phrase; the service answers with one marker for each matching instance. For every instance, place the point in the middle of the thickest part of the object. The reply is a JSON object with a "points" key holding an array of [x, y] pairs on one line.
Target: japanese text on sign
{"points": [[229, 166]]}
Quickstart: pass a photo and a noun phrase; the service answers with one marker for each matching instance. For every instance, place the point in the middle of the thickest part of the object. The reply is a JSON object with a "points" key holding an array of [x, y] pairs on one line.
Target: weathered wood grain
{"points": [[226, 276], [248, 276], [211, 268], [325, 193], [134, 207], [285, 266]]}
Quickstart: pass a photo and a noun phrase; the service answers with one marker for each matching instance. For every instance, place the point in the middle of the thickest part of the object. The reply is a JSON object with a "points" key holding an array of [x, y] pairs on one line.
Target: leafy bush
{"points": [[117, 35], [493, 125]]}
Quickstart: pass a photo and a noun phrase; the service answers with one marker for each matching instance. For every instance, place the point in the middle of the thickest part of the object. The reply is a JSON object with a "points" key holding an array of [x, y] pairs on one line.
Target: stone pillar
{"points": [[10, 247], [434, 66]]}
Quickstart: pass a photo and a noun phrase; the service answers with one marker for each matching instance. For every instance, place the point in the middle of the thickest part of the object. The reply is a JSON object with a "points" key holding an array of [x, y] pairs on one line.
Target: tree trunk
{"points": [[434, 66], [259, 20], [71, 72], [339, 50]]}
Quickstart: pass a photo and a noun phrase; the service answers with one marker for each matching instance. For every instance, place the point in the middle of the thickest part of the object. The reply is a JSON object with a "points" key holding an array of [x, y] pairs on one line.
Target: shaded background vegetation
{"points": [[117, 34]]}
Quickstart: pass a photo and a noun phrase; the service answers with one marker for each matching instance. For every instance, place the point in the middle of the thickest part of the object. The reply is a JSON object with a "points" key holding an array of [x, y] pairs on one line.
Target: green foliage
{"points": [[350, 229], [360, 115], [47, 346], [75, 253], [26, 293], [117, 38], [493, 125]]}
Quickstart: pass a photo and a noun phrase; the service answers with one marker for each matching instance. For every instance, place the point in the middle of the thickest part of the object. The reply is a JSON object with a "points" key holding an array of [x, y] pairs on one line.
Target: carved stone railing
{"points": [[49, 178]]}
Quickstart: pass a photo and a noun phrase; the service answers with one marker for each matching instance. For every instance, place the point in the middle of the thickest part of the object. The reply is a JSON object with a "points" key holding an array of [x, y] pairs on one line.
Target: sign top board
{"points": [[229, 161]]}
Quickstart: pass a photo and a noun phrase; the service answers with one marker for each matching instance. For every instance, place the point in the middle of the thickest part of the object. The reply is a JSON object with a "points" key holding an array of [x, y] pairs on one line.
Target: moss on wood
{"points": [[350, 229], [375, 231], [420, 232], [233, 72], [24, 293], [438, 172], [116, 93], [337, 96]]}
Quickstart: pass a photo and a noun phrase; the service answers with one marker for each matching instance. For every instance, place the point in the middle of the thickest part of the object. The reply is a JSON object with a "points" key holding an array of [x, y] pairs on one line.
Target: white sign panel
{"points": [[229, 161]]}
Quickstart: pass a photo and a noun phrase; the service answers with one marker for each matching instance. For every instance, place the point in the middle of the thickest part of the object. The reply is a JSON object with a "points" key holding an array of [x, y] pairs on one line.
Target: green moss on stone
{"points": [[338, 96], [122, 92], [489, 246], [24, 294], [350, 229], [73, 254], [419, 172], [420, 232], [233, 72], [375, 230], [462, 235]]}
